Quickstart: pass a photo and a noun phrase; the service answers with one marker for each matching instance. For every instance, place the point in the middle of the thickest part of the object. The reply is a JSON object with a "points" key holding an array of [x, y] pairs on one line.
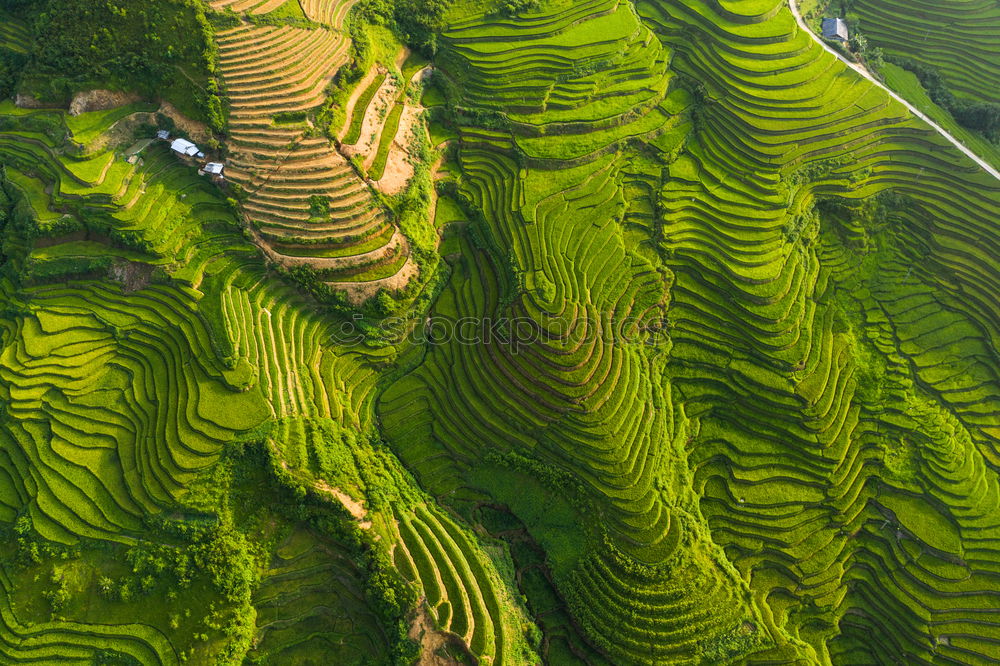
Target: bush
{"points": [[515, 7]]}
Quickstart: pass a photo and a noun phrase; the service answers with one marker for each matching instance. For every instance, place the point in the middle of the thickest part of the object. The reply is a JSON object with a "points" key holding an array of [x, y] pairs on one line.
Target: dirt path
{"points": [[355, 508], [860, 69]]}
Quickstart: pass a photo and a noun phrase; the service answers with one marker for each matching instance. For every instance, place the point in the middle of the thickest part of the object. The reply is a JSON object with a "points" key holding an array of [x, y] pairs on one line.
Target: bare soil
{"points": [[198, 131], [355, 507], [399, 163], [399, 166], [434, 644], [28, 102], [132, 276], [100, 100], [375, 116]]}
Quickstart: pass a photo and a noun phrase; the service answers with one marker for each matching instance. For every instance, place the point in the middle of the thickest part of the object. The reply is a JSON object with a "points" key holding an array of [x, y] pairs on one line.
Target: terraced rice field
{"points": [[294, 615], [723, 386], [275, 71], [733, 491], [14, 35], [331, 12], [958, 38], [123, 386], [153, 343]]}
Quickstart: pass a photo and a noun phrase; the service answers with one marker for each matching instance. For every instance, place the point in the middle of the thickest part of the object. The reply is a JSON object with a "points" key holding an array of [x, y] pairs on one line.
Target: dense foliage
{"points": [[161, 49], [416, 21], [11, 66]]}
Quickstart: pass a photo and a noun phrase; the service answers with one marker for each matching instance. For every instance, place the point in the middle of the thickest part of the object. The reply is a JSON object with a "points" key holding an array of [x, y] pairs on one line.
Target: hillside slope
{"points": [[678, 344], [958, 38], [726, 357]]}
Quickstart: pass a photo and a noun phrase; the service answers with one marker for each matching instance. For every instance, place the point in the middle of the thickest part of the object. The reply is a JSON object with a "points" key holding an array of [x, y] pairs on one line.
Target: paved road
{"points": [[793, 5]]}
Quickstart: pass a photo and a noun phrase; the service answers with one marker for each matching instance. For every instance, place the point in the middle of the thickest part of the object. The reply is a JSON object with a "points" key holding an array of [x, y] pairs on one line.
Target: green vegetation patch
{"points": [[162, 49]]}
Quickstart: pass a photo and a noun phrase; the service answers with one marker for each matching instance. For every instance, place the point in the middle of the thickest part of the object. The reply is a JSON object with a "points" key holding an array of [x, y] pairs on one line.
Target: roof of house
{"points": [[163, 134], [184, 147], [213, 167], [835, 28]]}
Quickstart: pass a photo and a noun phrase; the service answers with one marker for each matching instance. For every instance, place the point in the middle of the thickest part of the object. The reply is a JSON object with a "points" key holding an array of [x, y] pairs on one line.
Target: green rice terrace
{"points": [[499, 332]]}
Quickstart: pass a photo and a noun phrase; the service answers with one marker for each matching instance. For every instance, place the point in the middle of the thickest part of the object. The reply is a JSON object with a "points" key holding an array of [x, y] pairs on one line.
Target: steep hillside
{"points": [[958, 38], [159, 49], [720, 366], [557, 332], [308, 204]]}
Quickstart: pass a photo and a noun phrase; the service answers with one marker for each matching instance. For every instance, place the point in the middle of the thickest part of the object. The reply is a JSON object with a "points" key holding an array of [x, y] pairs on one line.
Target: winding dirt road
{"points": [[793, 5]]}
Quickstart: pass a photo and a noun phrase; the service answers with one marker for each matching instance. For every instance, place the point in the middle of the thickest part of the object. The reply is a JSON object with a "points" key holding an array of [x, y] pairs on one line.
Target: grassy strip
{"points": [[290, 10], [385, 142], [360, 107], [909, 86]]}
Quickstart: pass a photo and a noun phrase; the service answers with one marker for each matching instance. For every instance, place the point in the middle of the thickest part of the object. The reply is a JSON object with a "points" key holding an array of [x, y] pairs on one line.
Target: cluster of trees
{"points": [[873, 56], [982, 117], [515, 7], [417, 22], [162, 48], [11, 65]]}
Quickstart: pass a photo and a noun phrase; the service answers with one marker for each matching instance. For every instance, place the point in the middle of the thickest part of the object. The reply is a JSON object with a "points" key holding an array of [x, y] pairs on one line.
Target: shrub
{"points": [[514, 7]]}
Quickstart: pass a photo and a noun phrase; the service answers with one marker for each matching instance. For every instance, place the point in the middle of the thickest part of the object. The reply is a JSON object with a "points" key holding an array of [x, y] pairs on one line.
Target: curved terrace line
{"points": [[860, 69]]}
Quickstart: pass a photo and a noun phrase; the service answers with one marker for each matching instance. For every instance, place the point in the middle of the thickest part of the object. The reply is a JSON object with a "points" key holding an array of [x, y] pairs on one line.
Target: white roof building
{"points": [[184, 147], [214, 168], [163, 134]]}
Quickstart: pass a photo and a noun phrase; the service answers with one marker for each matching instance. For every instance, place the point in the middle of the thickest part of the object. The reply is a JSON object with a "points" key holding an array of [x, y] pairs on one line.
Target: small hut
{"points": [[835, 29]]}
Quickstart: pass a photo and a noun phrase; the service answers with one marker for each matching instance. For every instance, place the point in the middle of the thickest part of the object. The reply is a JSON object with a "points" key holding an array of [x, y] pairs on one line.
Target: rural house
{"points": [[185, 148], [835, 28], [214, 170]]}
